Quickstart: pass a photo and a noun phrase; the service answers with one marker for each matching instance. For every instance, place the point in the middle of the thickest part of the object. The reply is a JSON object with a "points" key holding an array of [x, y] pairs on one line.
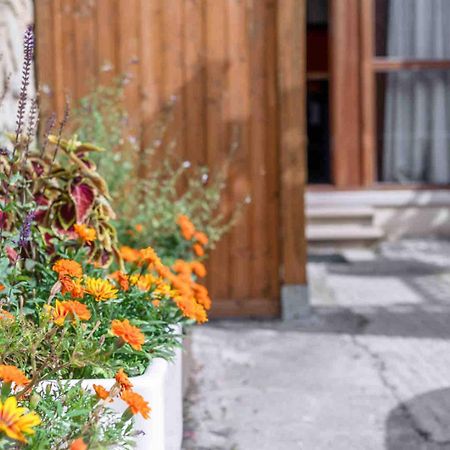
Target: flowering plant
{"points": [[72, 304]]}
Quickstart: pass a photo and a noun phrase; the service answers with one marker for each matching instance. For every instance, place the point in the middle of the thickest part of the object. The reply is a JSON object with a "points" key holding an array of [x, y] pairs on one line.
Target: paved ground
{"points": [[369, 371]]}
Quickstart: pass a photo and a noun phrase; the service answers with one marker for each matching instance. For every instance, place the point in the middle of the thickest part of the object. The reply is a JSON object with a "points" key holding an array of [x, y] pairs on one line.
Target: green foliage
{"points": [[152, 187]]}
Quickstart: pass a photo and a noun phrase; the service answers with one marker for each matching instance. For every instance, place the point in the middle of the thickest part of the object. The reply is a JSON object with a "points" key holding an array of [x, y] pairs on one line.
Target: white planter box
{"points": [[161, 387]]}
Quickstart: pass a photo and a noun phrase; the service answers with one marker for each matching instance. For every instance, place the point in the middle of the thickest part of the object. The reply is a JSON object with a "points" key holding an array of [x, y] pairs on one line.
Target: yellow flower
{"points": [[16, 421], [85, 233], [100, 289], [143, 282]]}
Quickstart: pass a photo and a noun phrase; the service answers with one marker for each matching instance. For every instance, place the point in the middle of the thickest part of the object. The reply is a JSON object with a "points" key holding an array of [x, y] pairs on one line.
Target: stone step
{"points": [[342, 236], [324, 215]]}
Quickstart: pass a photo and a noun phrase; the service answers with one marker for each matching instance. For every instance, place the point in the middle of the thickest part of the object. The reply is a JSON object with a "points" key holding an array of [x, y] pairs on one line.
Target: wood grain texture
{"points": [[237, 70], [292, 135], [345, 93]]}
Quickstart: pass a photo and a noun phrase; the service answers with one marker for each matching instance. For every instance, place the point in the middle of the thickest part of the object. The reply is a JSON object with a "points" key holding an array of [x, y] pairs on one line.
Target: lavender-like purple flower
{"points": [[25, 229], [28, 52]]}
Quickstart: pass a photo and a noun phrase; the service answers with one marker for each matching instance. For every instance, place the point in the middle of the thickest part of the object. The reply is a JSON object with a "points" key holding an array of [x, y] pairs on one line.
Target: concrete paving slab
{"points": [[368, 370]]}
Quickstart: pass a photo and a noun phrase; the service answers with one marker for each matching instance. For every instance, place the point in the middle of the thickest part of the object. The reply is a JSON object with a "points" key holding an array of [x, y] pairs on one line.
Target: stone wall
{"points": [[15, 15]]}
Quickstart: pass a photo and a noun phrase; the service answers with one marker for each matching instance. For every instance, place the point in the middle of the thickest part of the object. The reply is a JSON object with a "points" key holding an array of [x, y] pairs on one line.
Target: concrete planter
{"points": [[161, 386]]}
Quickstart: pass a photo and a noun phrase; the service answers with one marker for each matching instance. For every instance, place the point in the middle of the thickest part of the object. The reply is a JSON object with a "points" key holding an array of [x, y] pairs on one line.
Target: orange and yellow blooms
{"points": [[148, 257], [187, 228], [100, 289], [136, 403], [68, 267], [70, 309], [128, 333], [198, 268], [129, 254], [78, 444], [85, 233], [11, 374], [101, 392], [71, 286], [123, 380], [16, 421], [122, 279]]}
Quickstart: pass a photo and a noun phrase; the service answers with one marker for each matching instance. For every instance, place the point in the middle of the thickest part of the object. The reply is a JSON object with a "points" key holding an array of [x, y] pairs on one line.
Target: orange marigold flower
{"points": [[149, 257], [85, 233], [11, 374], [128, 333], [139, 227], [68, 267], [163, 271], [129, 254], [180, 266], [136, 403], [156, 303], [123, 380], [78, 444], [201, 238], [198, 250], [101, 392], [72, 287], [191, 309], [5, 315], [198, 268], [187, 228], [122, 279], [201, 295], [100, 289], [16, 421], [2, 287]]}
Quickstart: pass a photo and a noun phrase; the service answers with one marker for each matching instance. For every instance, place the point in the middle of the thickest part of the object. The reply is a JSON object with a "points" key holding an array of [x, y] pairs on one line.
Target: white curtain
{"points": [[416, 138]]}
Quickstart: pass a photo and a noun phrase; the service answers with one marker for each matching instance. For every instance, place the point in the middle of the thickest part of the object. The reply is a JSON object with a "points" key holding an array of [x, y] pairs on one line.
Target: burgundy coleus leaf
{"points": [[66, 215], [42, 203], [83, 196], [3, 219]]}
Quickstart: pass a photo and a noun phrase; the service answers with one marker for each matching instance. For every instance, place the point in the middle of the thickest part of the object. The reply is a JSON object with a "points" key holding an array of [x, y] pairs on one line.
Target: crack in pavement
{"points": [[380, 365]]}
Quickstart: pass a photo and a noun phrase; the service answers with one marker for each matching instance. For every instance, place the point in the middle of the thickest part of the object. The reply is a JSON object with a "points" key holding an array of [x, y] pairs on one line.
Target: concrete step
{"points": [[323, 215], [342, 236]]}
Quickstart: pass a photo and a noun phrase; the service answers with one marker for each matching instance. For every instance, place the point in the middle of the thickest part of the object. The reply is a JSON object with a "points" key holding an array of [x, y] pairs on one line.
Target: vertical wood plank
{"points": [[238, 118], [58, 62], [106, 31], [151, 66], [44, 56], [128, 59], [173, 69], [194, 85], [272, 201], [291, 91], [345, 93], [216, 132], [369, 134]]}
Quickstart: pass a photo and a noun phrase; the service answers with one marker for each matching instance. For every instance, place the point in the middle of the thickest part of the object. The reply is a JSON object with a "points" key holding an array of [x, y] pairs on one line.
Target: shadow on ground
{"points": [[422, 423]]}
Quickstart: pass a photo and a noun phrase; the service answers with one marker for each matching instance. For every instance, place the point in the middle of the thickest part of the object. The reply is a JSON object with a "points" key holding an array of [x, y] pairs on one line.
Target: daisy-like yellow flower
{"points": [[143, 282], [11, 374], [67, 267], [16, 421], [128, 333], [68, 309], [85, 233], [100, 289]]}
